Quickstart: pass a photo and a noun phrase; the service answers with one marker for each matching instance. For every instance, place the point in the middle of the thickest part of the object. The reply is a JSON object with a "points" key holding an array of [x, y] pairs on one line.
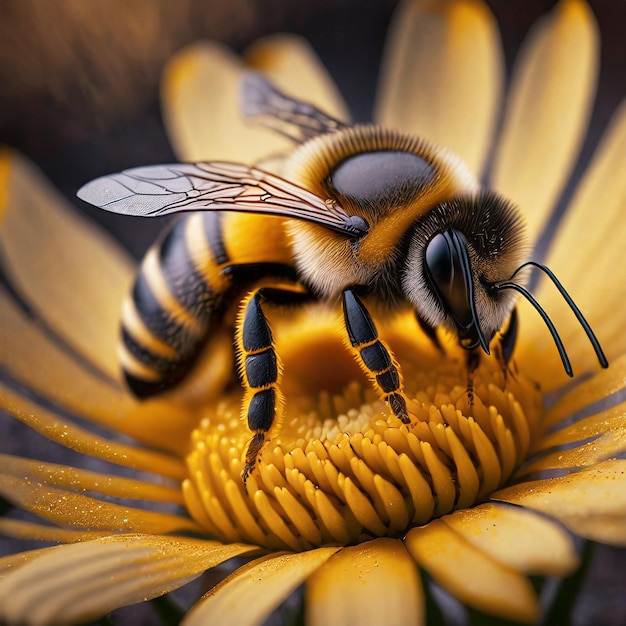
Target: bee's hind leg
{"points": [[260, 367], [373, 355]]}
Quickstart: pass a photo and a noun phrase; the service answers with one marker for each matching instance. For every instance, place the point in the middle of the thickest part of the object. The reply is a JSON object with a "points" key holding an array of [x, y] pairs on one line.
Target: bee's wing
{"points": [[297, 120], [214, 186]]}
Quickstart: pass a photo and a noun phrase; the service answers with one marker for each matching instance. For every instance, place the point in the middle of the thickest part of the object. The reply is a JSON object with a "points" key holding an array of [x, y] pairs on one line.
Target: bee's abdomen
{"points": [[166, 318]]}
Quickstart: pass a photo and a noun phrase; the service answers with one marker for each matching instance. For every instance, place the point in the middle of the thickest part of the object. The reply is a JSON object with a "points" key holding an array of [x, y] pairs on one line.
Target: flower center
{"points": [[342, 469]]}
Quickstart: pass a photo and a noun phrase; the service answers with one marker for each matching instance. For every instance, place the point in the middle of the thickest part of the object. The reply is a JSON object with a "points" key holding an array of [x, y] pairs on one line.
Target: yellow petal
{"points": [[40, 364], [64, 432], [68, 271], [471, 575], [200, 98], [11, 562], [587, 256], [80, 582], [19, 529], [75, 479], [612, 419], [600, 386], [603, 436], [250, 593], [442, 75], [550, 100], [349, 587], [516, 538], [65, 508], [591, 503]]}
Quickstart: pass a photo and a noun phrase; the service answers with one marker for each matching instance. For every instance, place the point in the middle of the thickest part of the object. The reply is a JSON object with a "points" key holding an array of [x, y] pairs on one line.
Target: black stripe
{"points": [[159, 321], [184, 281], [146, 388], [214, 233], [144, 355]]}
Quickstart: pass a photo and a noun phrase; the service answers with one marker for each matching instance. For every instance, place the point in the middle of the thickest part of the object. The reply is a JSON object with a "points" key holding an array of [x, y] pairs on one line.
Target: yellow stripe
{"points": [[134, 367], [134, 325], [200, 252], [156, 280]]}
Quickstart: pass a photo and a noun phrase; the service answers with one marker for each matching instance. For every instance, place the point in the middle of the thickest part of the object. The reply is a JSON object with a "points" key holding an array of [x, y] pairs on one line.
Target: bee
{"points": [[361, 214]]}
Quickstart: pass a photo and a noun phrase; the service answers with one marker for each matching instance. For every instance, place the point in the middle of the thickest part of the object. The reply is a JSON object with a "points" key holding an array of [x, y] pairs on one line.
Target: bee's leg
{"points": [[509, 338], [473, 360], [260, 367], [372, 354], [430, 332]]}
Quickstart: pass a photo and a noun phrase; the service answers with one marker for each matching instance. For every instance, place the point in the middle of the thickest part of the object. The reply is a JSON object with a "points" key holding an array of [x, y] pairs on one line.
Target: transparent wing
{"points": [[297, 120], [157, 190]]}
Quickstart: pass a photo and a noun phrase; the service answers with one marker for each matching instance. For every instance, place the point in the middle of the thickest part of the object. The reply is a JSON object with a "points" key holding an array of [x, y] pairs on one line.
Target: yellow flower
{"points": [[345, 501]]}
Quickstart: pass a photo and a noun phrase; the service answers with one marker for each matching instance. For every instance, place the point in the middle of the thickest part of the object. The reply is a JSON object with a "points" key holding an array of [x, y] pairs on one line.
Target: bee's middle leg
{"points": [[373, 355], [260, 367]]}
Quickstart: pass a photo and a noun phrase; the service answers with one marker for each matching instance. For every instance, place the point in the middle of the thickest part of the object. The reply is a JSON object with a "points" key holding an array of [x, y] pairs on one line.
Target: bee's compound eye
{"points": [[448, 269], [381, 176], [439, 262]]}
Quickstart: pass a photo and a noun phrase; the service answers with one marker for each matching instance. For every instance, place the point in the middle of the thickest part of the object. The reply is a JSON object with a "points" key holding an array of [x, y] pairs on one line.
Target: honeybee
{"points": [[367, 213]]}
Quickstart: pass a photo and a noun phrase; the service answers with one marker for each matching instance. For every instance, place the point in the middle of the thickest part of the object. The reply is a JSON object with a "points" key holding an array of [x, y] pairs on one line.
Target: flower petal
{"points": [[11, 562], [36, 362], [591, 503], [199, 95], [250, 593], [80, 480], [79, 511], [348, 588], [79, 582], [19, 529], [612, 419], [587, 257], [550, 100], [470, 574], [516, 538], [62, 431], [442, 75], [603, 436], [68, 271], [601, 385]]}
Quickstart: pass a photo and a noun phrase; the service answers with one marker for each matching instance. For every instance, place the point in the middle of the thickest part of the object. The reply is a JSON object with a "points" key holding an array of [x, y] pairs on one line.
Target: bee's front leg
{"points": [[472, 362], [373, 355], [260, 367]]}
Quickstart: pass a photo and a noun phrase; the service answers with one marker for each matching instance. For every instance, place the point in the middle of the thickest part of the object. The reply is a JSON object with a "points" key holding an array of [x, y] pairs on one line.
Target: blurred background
{"points": [[79, 94], [79, 81]]}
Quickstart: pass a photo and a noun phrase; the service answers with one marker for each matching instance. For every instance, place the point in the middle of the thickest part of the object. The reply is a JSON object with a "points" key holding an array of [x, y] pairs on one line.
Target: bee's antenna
{"points": [[555, 335], [577, 312]]}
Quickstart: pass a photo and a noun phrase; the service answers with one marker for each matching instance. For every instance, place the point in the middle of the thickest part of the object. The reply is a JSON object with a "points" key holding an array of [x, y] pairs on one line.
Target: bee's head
{"points": [[463, 270], [457, 255]]}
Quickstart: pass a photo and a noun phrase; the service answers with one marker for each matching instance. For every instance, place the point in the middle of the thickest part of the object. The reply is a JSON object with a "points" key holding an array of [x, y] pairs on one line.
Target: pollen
{"points": [[342, 468]]}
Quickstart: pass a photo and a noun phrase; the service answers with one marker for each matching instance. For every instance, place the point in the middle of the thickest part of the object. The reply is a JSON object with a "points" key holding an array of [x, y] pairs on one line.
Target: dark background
{"points": [[79, 95]]}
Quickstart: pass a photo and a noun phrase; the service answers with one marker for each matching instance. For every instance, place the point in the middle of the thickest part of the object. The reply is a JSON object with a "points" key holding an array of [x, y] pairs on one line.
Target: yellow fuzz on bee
{"points": [[343, 469]]}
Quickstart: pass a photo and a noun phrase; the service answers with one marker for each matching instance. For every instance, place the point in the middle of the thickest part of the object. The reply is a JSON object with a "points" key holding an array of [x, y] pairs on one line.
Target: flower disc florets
{"points": [[342, 469]]}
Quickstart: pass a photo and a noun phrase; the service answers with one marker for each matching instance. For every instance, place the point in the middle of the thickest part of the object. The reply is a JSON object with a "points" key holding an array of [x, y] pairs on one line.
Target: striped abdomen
{"points": [[167, 317]]}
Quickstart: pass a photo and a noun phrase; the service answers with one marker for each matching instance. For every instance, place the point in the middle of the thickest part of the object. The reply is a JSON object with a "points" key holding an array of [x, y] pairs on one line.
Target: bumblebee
{"points": [[360, 214]]}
